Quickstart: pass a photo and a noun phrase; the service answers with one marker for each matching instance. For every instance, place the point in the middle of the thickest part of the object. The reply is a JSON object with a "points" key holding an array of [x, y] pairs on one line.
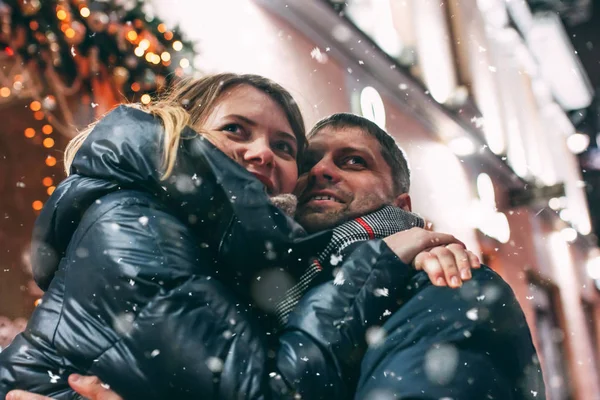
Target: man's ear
{"points": [[403, 201]]}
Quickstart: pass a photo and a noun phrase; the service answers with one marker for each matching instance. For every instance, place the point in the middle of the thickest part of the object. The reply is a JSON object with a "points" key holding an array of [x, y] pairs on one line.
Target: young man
{"points": [[456, 344]]}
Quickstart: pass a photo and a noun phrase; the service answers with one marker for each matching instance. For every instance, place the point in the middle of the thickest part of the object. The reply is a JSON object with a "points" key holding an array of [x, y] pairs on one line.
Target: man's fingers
{"points": [[429, 263], [23, 395], [91, 387], [449, 265]]}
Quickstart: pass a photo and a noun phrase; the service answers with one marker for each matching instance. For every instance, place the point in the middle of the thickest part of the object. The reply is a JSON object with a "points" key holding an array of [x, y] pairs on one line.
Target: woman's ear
{"points": [[403, 201]]}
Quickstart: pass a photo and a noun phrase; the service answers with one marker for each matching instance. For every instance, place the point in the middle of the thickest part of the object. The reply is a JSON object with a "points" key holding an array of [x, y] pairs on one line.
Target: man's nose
{"points": [[325, 171], [259, 151]]}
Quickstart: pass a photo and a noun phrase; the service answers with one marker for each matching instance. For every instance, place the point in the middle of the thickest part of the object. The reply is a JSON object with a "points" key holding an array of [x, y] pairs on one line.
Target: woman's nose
{"points": [[259, 151]]}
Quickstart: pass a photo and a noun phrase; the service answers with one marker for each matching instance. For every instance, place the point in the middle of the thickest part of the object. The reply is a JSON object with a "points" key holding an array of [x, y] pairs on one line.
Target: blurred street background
{"points": [[495, 102]]}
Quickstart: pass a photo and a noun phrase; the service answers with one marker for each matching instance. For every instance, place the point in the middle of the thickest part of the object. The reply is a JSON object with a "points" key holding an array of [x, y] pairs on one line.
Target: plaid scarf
{"points": [[377, 225]]}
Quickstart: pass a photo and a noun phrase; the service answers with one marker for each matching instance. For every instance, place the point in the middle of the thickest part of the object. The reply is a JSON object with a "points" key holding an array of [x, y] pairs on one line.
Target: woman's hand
{"points": [[444, 258], [88, 386]]}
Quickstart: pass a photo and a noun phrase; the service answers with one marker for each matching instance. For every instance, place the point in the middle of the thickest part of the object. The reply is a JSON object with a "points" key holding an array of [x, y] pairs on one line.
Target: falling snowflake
{"points": [[53, 378], [305, 359], [105, 386], [381, 292], [214, 364], [143, 220], [94, 105], [318, 55], [73, 51], [335, 259], [339, 278], [375, 335], [154, 353], [473, 314], [386, 313], [481, 298]]}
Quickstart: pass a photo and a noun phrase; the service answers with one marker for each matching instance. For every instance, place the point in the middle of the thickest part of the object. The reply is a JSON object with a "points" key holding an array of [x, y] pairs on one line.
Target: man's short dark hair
{"points": [[390, 150]]}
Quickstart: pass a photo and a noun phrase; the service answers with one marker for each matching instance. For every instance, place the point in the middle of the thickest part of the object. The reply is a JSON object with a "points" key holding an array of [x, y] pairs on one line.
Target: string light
{"points": [[184, 63], [5, 92], [177, 45], [35, 105], [85, 12], [50, 161], [138, 51], [146, 99], [51, 190], [38, 115], [132, 35], [166, 56], [135, 87], [61, 15], [37, 302], [144, 44], [47, 129], [149, 56], [47, 181], [37, 205], [162, 28], [29, 133], [33, 25], [70, 33], [48, 143], [168, 35]]}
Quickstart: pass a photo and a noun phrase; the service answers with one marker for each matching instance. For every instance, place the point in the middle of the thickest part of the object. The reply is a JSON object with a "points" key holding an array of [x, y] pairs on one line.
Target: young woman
{"points": [[147, 250]]}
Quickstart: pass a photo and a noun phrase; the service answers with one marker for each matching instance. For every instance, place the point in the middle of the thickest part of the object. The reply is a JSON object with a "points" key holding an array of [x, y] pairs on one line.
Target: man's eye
{"points": [[355, 160]]}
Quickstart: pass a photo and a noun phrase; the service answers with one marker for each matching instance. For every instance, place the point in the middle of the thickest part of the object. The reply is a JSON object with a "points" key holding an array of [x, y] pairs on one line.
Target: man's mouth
{"points": [[322, 198]]}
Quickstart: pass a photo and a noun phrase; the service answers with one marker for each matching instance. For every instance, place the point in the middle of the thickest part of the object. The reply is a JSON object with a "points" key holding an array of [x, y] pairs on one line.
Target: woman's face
{"points": [[251, 128]]}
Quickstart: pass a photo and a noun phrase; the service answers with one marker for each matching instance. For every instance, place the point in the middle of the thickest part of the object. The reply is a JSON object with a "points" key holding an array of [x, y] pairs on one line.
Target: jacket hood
{"points": [[123, 151]]}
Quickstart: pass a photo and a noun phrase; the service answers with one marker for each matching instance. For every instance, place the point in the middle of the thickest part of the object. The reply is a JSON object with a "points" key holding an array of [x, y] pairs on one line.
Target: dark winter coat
{"points": [[147, 281], [471, 343]]}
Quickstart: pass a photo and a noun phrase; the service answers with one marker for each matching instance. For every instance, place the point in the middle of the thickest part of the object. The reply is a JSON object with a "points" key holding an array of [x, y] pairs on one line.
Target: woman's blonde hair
{"points": [[190, 101]]}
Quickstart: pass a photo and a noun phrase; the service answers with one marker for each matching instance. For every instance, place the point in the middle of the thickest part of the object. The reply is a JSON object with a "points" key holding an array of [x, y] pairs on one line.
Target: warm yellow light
{"points": [[184, 63], [37, 302], [177, 45], [135, 87], [165, 56], [144, 44], [48, 143], [70, 33], [38, 115], [146, 99], [47, 181], [37, 205], [29, 133], [5, 92], [132, 35], [162, 28], [50, 161], [85, 12], [61, 14], [168, 35], [51, 190], [35, 105], [149, 56], [47, 129], [138, 51], [156, 59]]}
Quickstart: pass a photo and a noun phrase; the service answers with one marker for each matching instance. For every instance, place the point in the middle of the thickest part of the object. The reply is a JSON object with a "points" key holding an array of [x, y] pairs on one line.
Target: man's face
{"points": [[344, 177]]}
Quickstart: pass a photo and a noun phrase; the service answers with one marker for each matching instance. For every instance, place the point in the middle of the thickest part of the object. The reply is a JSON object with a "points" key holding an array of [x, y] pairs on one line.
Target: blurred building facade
{"points": [[478, 93]]}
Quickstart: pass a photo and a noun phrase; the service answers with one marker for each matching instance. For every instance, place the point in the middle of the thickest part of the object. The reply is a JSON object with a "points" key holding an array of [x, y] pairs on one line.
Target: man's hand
{"points": [[89, 387], [443, 257]]}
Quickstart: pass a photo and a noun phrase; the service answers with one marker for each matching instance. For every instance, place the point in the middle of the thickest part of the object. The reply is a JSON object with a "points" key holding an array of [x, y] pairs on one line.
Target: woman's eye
{"points": [[286, 148], [233, 128]]}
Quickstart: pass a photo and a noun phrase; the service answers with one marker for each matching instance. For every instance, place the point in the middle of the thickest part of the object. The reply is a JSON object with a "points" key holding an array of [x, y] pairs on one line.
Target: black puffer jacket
{"points": [[147, 281]]}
